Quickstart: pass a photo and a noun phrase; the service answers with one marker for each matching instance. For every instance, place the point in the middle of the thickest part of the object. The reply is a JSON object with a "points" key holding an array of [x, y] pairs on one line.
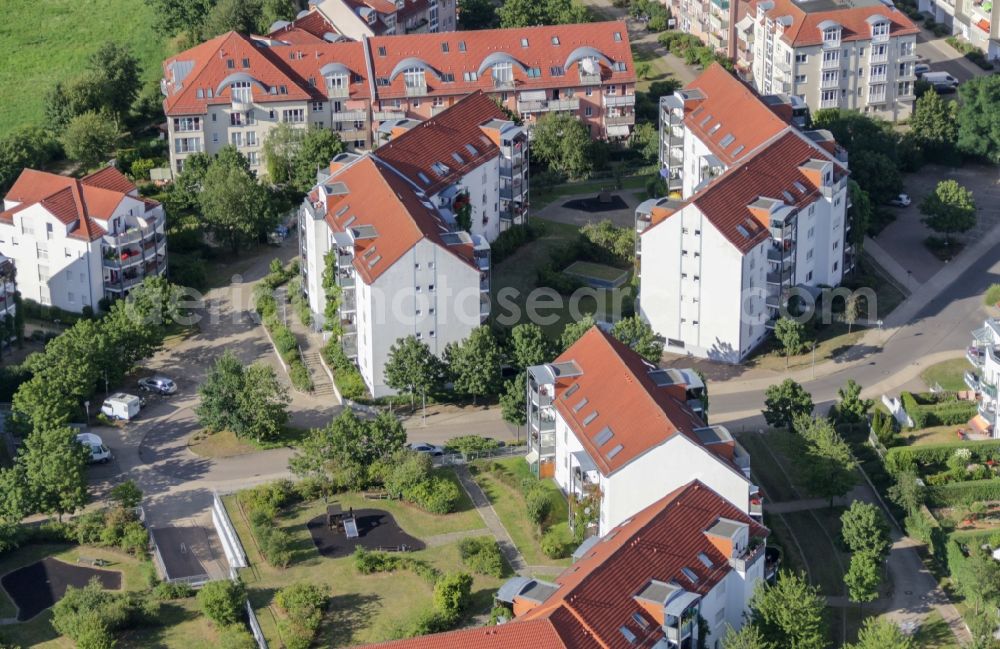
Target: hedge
{"points": [[345, 374], [956, 493], [901, 458], [928, 411], [482, 556]]}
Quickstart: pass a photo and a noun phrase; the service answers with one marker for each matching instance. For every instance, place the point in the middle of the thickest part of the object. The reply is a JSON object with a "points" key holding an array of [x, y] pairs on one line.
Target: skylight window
{"points": [[471, 76], [589, 418], [693, 578], [631, 637], [571, 391], [620, 66], [342, 210], [555, 40], [738, 150], [640, 620], [471, 149], [524, 42], [557, 71], [604, 436], [618, 37], [613, 452], [457, 158], [461, 46], [799, 186], [448, 77], [726, 141], [788, 195], [742, 230], [371, 264], [423, 178], [444, 47], [578, 407], [705, 561], [534, 73], [381, 50], [715, 128], [708, 118]]}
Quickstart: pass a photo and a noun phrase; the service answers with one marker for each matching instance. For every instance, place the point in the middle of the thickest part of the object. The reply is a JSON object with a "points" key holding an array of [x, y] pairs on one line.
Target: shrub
{"points": [[222, 601], [471, 444], [957, 493], [886, 428], [345, 374], [992, 296], [452, 593], [404, 471], [167, 590], [268, 498], [902, 458], [556, 543], [537, 502], [90, 615], [935, 410], [303, 605], [500, 611], [482, 556], [435, 495], [284, 339], [511, 239], [235, 636], [299, 375], [368, 563]]}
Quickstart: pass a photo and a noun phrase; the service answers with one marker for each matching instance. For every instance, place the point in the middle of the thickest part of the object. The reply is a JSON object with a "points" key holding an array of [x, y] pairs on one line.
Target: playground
{"points": [[39, 585], [337, 533]]}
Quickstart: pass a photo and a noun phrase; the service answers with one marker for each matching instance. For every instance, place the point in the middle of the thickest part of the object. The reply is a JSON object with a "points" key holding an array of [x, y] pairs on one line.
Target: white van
{"points": [[941, 81], [98, 451], [121, 406]]}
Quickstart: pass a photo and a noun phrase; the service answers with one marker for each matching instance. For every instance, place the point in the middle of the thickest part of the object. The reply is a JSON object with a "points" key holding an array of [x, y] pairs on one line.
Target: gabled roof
{"points": [[546, 48], [370, 198], [72, 201], [455, 132], [615, 383], [595, 597], [730, 117], [854, 18], [773, 173]]}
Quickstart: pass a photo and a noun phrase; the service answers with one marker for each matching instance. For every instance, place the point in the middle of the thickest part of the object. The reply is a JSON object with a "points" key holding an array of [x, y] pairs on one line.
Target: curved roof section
{"points": [[413, 62], [278, 24], [237, 77], [586, 52], [500, 57], [334, 68], [828, 24]]}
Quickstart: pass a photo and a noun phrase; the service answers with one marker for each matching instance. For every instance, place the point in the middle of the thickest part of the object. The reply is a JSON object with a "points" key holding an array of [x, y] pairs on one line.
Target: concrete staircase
{"points": [[321, 382]]}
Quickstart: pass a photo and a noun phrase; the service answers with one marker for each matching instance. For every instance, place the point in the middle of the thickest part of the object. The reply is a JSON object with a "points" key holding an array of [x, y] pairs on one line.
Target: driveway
{"points": [[903, 239], [944, 58]]}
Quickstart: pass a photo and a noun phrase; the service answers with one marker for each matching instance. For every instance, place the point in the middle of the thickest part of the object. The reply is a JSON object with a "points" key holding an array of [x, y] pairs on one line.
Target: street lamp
{"points": [[86, 406]]}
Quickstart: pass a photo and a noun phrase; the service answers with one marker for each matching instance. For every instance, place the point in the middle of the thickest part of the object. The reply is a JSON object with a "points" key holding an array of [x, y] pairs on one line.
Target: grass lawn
{"points": [[227, 444], [38, 631], [50, 41], [934, 634], [588, 269], [822, 555], [766, 470], [658, 68], [948, 374], [520, 272], [363, 608], [932, 435], [509, 505], [541, 197]]}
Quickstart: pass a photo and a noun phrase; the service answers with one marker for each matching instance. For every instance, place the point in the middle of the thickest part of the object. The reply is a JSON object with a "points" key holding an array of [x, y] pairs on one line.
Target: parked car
{"points": [[920, 69], [903, 200], [424, 447], [98, 451], [941, 81], [158, 385]]}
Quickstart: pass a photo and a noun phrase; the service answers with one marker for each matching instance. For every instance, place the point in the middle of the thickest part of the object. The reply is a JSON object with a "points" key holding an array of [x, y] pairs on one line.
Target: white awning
{"points": [[531, 457], [532, 95], [744, 24], [618, 130]]}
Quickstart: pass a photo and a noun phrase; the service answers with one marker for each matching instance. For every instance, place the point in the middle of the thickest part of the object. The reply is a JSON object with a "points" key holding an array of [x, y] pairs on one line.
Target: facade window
{"points": [[252, 157], [589, 111], [880, 30], [251, 138], [71, 297], [187, 123], [293, 116], [240, 91], [831, 36], [800, 78], [503, 73], [236, 139], [317, 106], [801, 58], [414, 78], [236, 119]]}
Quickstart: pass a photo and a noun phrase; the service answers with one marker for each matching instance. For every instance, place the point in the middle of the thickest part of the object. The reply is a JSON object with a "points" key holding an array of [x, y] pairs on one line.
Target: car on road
{"points": [[99, 453], [423, 447], [941, 81], [158, 385], [920, 69], [903, 200]]}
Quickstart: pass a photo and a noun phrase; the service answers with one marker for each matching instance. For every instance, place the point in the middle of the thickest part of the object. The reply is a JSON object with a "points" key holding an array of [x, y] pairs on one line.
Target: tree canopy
{"points": [[27, 147], [935, 123], [248, 401], [562, 141], [235, 206], [949, 209], [864, 529], [829, 464], [412, 368], [639, 335], [784, 402], [474, 364], [573, 331], [851, 408], [880, 633], [979, 117], [477, 14], [90, 137], [530, 346], [530, 13], [790, 613]]}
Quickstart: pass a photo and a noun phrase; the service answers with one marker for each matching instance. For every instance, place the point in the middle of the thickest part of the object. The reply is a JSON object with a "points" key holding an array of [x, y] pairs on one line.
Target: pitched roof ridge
{"points": [[621, 349]]}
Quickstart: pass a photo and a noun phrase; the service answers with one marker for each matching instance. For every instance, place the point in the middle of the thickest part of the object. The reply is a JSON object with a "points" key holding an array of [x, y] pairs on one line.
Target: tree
{"points": [[27, 147], [880, 633], [411, 367], [127, 495], [791, 334], [864, 529], [790, 613], [562, 141], [979, 117], [474, 364], [784, 402], [860, 213], [180, 15], [222, 601], [530, 346], [477, 14], [529, 13], [646, 140], [949, 209], [639, 335], [90, 138], [452, 593], [863, 577], [280, 147], [935, 123], [852, 310], [978, 578], [316, 148], [119, 74], [274, 10], [877, 174], [250, 402], [908, 492], [749, 637], [851, 409], [573, 331], [234, 204], [513, 401], [828, 465], [231, 16], [55, 467]]}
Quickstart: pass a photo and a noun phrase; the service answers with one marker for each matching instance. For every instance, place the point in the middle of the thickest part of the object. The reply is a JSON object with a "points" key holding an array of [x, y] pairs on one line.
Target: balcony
{"points": [[619, 100], [242, 105], [388, 115], [416, 90], [541, 106], [619, 120], [484, 305], [590, 79], [878, 78], [348, 302], [350, 346], [503, 84], [976, 356], [781, 254], [750, 556], [779, 278], [830, 84], [987, 410], [350, 116], [830, 64], [880, 57]]}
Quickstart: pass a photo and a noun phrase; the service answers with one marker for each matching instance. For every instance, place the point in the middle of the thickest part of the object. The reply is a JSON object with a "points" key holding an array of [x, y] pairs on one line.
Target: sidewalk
{"points": [[489, 516]]}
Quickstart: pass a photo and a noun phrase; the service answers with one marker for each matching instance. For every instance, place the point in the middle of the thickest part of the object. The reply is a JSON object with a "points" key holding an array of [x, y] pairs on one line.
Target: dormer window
{"points": [[240, 92], [831, 35], [880, 30], [503, 73], [414, 78]]}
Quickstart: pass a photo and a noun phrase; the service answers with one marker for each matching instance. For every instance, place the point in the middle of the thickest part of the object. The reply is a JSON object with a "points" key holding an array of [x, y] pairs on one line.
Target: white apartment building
{"points": [[976, 21], [857, 55], [984, 354], [603, 421], [759, 213], [467, 155], [75, 242], [401, 268]]}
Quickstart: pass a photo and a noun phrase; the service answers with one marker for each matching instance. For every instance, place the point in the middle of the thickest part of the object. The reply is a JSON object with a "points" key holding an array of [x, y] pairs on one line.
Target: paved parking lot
{"points": [[943, 58]]}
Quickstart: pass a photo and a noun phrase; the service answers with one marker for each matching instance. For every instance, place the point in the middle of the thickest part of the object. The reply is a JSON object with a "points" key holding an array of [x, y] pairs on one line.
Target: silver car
{"points": [[158, 384]]}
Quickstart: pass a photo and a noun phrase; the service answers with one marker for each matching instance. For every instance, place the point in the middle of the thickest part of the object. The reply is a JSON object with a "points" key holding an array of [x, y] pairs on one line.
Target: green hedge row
{"points": [[345, 373], [927, 412], [901, 458], [956, 493], [284, 340]]}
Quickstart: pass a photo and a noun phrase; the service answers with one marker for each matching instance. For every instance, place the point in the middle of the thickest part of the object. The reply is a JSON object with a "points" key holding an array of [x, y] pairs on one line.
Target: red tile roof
{"points": [[595, 596], [467, 51], [730, 112], [769, 173], [852, 18], [73, 201], [310, 28], [641, 414], [439, 138], [371, 193]]}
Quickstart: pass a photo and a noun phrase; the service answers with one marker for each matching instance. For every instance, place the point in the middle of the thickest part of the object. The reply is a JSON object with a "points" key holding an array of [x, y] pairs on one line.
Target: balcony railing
{"points": [[828, 84], [590, 79], [619, 120], [416, 90], [350, 116], [830, 64], [539, 106], [749, 557], [619, 100], [386, 115], [879, 57]]}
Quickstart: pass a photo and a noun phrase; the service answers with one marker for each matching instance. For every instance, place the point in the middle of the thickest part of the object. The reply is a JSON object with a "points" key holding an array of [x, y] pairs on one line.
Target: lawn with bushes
{"points": [[380, 597], [948, 374], [504, 482]]}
